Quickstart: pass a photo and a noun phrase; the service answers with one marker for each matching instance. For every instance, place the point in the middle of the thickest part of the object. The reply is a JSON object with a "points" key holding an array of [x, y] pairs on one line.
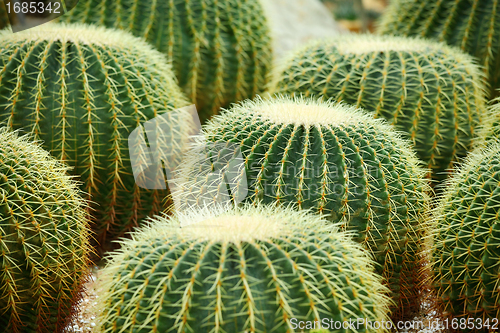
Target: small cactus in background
{"points": [[473, 26], [466, 239], [81, 90], [250, 269], [220, 49], [44, 239], [322, 156], [431, 93]]}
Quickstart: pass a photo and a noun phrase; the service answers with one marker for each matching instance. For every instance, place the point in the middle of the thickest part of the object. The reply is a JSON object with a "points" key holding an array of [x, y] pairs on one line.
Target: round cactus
{"points": [[220, 49], [430, 92], [251, 269], [44, 239], [322, 156], [466, 246], [473, 26], [82, 90]]}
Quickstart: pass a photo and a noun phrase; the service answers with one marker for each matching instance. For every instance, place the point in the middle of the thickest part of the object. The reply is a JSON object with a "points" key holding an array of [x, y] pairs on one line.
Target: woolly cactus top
{"points": [[367, 43], [300, 111], [245, 224], [87, 34], [81, 33]]}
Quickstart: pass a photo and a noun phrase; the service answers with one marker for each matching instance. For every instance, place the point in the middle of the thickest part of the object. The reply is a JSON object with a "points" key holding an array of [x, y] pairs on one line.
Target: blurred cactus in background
{"points": [[220, 49], [471, 25]]}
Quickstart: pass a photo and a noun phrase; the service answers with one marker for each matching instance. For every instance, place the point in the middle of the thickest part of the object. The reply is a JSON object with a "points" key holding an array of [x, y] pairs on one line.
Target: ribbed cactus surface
{"points": [[327, 157], [471, 25], [466, 250], [44, 239], [430, 92], [244, 270], [82, 90], [220, 49]]}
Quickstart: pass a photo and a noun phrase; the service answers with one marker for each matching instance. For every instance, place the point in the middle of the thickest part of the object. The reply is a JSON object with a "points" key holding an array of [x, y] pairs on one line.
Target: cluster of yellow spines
{"points": [[44, 239]]}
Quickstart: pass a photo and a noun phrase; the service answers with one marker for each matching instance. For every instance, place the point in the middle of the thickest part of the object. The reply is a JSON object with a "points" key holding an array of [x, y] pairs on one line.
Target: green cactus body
{"points": [[466, 234], [431, 93], [82, 90], [44, 239], [251, 269], [220, 49], [327, 157], [471, 25]]}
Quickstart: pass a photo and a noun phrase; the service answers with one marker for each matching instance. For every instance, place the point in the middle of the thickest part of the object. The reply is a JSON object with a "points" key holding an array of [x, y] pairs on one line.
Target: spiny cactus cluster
{"points": [[44, 239], [245, 270], [327, 157], [82, 90], [220, 49], [473, 26], [466, 250], [430, 92]]}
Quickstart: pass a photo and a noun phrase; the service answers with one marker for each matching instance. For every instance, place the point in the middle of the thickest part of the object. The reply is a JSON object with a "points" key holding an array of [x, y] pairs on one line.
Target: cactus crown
{"points": [[81, 90], [297, 110], [466, 238], [365, 43], [244, 224], [432, 93], [204, 270], [44, 238], [301, 111], [83, 34]]}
